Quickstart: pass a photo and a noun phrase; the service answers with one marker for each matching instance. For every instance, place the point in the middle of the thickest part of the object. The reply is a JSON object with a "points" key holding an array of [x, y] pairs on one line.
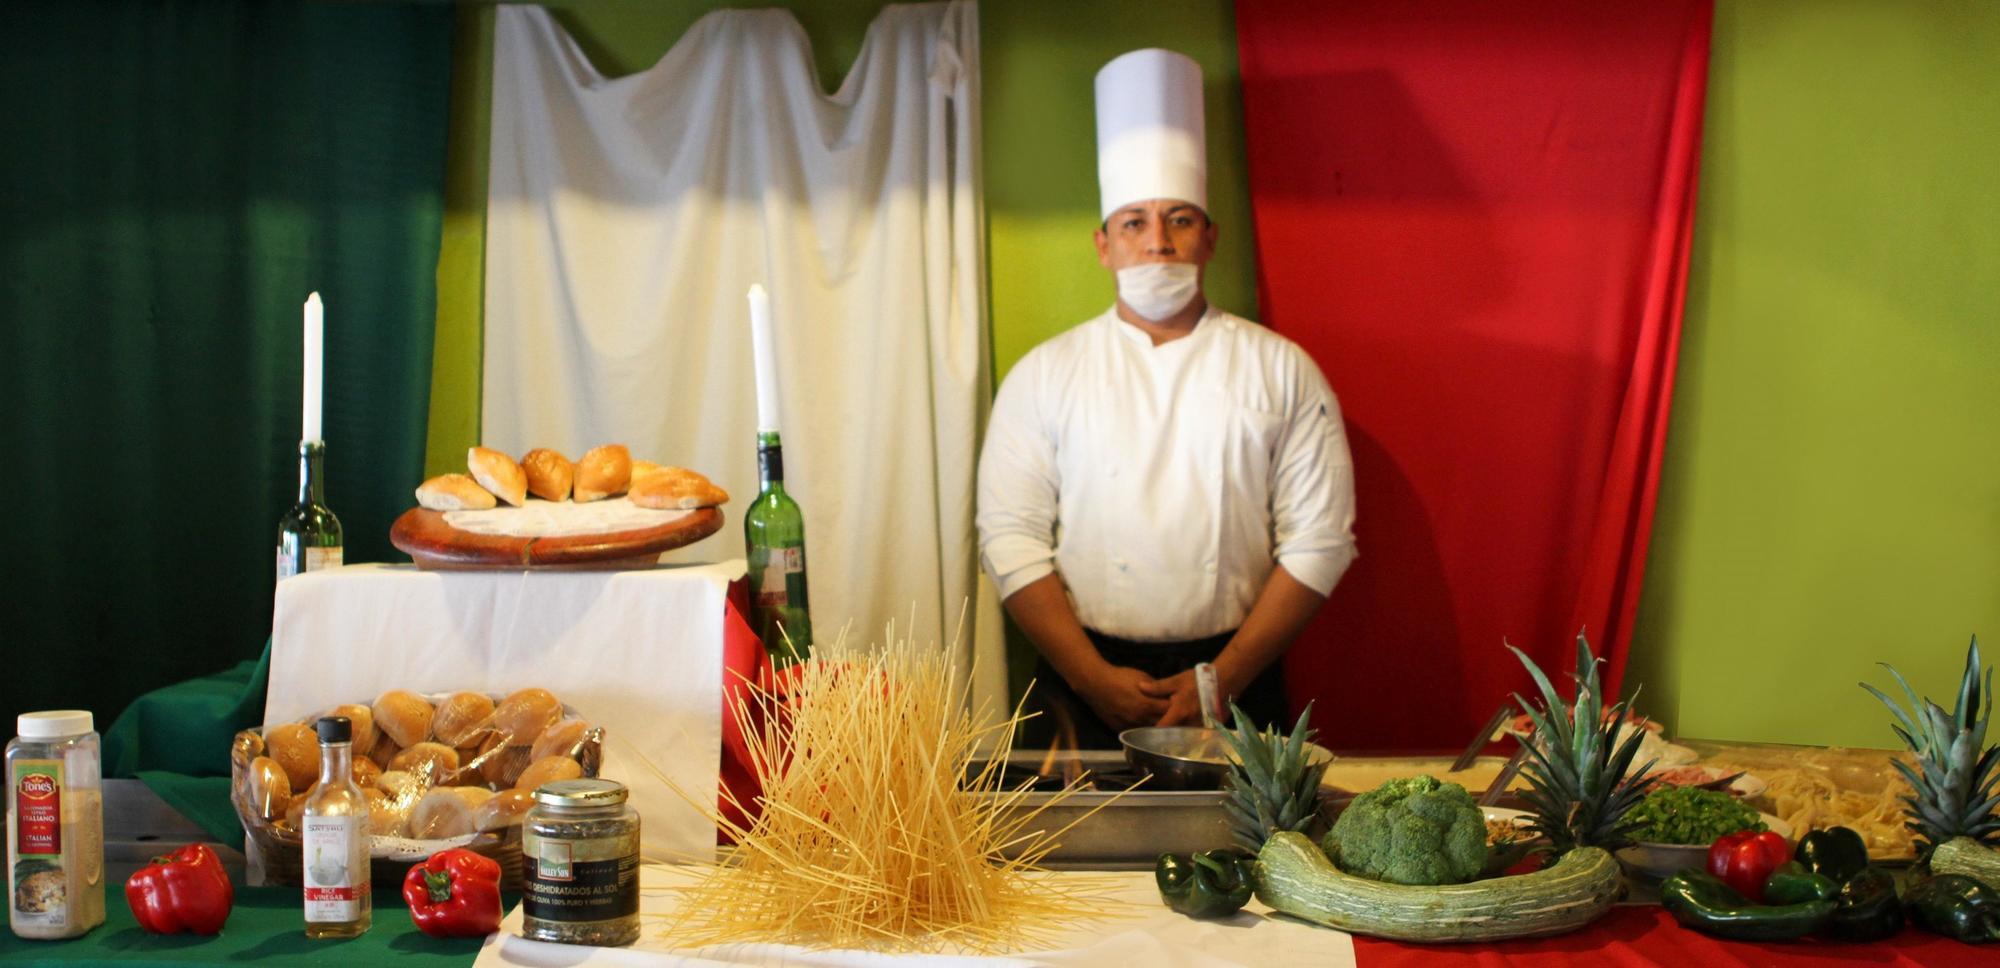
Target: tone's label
{"points": [[336, 868], [38, 798], [775, 574], [573, 881], [39, 876]]}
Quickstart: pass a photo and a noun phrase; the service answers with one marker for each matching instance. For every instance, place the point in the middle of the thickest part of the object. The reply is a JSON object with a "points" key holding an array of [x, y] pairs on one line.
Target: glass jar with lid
{"points": [[580, 864]]}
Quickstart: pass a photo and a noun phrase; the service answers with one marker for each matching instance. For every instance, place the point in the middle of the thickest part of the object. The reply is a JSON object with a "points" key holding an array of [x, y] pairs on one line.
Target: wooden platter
{"points": [[437, 546]]}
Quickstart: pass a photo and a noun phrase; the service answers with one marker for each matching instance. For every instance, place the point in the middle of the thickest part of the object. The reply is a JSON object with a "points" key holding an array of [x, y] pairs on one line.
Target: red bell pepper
{"points": [[186, 890], [454, 894], [1745, 859]]}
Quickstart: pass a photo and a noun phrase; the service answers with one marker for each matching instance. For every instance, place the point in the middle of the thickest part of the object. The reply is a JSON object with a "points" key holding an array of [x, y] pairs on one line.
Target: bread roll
{"points": [[296, 748], [384, 751], [503, 809], [433, 763], [602, 473], [458, 716], [677, 488], [366, 772], [498, 473], [501, 765], [404, 716], [266, 788], [453, 492], [400, 786], [523, 716], [296, 813], [641, 468], [447, 812], [547, 770], [363, 720], [549, 474], [560, 739], [387, 815]]}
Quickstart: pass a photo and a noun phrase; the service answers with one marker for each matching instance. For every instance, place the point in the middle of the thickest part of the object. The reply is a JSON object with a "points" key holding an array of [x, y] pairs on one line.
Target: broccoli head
{"points": [[1415, 830]]}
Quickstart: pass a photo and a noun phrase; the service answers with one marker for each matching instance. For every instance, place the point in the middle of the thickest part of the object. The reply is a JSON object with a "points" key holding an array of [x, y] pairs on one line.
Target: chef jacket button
{"points": [[1120, 562], [1111, 471], [1210, 567]]}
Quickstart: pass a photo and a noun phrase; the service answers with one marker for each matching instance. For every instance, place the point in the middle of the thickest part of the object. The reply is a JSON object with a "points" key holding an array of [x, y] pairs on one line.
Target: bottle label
{"points": [[320, 559], [288, 563], [336, 868], [774, 578], [578, 880], [39, 878]]}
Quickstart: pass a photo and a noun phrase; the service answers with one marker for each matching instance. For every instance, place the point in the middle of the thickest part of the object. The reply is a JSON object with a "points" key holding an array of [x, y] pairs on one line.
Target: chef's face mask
{"points": [[1157, 290]]}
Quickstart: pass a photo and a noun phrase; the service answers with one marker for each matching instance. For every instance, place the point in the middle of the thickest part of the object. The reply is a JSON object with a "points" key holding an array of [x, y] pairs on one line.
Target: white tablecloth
{"points": [[636, 652], [1142, 931]]}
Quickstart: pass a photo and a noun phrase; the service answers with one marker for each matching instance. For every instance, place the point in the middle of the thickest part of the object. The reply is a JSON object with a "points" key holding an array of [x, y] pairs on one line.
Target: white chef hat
{"points": [[1150, 139]]}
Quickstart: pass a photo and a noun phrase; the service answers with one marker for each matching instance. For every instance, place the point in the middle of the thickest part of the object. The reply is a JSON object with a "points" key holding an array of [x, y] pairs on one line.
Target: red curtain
{"points": [[1475, 216]]}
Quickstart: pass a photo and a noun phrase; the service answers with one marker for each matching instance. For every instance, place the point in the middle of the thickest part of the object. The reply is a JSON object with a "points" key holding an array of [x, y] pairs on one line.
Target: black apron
{"points": [[1263, 701]]}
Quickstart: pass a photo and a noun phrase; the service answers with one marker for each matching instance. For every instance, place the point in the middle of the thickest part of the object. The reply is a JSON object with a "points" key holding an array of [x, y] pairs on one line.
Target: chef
{"points": [[1167, 483]]}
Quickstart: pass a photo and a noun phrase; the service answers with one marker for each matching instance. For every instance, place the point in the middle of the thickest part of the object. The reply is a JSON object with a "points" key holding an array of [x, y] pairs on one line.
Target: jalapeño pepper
{"points": [[1957, 907], [1706, 903], [1866, 908], [1791, 883], [1211, 884], [1837, 852]]}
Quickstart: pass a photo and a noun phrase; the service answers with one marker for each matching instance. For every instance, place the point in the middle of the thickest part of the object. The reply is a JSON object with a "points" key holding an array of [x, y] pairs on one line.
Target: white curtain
{"points": [[626, 219]]}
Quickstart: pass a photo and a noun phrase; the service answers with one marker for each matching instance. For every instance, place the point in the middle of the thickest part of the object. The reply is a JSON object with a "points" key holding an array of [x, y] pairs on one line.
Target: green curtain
{"points": [[177, 177]]}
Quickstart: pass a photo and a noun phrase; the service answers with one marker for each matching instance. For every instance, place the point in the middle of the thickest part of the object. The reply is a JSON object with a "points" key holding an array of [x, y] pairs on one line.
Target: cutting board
{"points": [[435, 545]]}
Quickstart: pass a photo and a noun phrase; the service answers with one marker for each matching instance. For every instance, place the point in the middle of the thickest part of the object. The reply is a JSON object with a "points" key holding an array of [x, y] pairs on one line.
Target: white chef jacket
{"points": [[1165, 482]]}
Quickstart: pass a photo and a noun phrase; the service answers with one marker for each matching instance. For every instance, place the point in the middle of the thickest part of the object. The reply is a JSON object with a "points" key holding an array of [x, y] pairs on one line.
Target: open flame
{"points": [[1062, 759]]}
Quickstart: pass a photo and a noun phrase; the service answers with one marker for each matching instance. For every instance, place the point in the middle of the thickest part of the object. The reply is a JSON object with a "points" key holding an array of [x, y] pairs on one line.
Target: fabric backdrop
{"points": [[626, 219], [1476, 217], [176, 177]]}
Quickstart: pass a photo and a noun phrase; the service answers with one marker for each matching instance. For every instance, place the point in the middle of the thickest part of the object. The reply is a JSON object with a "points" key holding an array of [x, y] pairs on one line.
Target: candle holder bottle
{"points": [[774, 536], [309, 537]]}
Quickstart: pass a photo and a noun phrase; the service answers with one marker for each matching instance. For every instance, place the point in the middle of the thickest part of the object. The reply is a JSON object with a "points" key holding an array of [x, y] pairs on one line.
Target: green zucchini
{"points": [[1963, 855], [1295, 878]]}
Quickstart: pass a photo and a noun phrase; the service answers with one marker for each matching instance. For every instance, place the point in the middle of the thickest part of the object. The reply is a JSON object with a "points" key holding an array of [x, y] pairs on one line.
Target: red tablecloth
{"points": [[1647, 935]]}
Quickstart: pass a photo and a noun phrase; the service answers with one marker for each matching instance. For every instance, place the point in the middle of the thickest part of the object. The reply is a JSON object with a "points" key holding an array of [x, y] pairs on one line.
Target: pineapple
{"points": [[1271, 785], [1581, 786], [1952, 785]]}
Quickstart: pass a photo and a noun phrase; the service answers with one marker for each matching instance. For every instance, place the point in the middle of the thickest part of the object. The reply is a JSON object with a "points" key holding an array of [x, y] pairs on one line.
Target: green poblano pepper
{"points": [[1791, 883], [1955, 906], [1211, 884], [1866, 909], [1701, 901], [1837, 852]]}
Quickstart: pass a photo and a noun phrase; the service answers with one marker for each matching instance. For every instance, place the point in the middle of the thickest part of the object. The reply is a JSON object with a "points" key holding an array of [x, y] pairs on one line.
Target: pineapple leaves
{"points": [[1579, 763], [1951, 786]]}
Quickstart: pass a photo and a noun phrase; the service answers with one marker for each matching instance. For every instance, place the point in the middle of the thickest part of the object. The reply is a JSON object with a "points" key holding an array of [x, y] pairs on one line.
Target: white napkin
{"points": [[554, 519]]}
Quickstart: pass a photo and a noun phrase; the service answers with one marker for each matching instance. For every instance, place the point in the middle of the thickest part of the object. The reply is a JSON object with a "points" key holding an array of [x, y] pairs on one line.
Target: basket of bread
{"points": [[442, 770]]}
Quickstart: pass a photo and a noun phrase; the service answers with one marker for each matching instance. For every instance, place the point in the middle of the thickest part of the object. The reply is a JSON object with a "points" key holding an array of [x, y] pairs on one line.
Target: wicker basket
{"points": [[283, 850]]}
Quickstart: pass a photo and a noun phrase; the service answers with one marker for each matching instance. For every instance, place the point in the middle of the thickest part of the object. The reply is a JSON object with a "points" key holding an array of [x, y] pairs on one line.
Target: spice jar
{"points": [[55, 826], [580, 864]]}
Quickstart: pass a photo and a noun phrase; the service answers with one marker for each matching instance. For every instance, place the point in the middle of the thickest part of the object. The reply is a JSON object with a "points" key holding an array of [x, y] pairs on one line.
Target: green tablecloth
{"points": [[266, 926]]}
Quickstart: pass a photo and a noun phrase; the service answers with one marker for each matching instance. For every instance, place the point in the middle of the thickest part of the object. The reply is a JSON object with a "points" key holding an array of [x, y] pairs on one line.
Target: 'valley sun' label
{"points": [[336, 869]]}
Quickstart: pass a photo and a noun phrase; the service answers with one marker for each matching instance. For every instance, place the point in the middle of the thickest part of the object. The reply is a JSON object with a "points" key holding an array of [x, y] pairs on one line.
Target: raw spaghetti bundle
{"points": [[883, 825]]}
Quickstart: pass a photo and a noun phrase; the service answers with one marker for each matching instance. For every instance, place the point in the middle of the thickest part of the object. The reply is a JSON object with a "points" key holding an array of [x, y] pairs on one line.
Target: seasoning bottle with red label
{"points": [[336, 840], [55, 826]]}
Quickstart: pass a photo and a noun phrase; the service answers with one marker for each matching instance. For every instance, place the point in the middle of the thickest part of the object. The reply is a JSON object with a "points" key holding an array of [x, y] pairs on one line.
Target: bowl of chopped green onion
{"points": [[1675, 825]]}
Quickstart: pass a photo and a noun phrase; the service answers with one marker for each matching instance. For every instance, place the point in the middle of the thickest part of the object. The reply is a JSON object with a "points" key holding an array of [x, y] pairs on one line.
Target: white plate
{"points": [[1664, 860]]}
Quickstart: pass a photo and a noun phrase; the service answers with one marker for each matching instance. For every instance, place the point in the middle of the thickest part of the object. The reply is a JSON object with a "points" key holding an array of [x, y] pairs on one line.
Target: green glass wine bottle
{"points": [[774, 534], [309, 536]]}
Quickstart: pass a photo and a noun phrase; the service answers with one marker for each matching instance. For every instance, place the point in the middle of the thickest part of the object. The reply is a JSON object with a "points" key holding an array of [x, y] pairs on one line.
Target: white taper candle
{"points": [[315, 341], [764, 350]]}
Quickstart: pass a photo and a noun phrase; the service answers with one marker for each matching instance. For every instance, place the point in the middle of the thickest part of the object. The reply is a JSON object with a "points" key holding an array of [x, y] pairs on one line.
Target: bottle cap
{"points": [[53, 724], [336, 729]]}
